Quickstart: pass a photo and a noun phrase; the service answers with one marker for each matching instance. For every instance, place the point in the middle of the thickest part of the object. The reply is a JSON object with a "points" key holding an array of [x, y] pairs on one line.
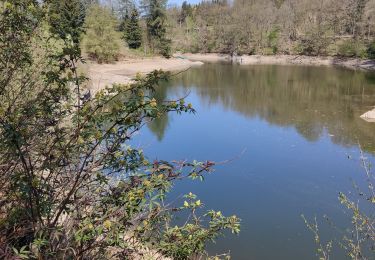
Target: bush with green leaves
{"points": [[101, 41], [371, 51], [352, 48], [315, 43], [347, 49], [272, 40], [71, 185], [184, 242], [164, 46]]}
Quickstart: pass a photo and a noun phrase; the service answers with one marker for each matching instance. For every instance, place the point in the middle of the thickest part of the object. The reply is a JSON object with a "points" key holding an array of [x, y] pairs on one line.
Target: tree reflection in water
{"points": [[310, 99]]}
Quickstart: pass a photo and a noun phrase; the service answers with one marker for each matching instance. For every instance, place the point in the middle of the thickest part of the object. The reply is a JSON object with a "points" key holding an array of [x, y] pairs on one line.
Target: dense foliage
{"points": [[133, 33], [310, 27], [101, 42], [155, 12], [71, 185], [331, 27]]}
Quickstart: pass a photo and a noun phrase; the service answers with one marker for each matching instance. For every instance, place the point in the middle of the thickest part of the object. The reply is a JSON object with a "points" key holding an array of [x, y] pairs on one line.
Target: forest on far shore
{"points": [[343, 28], [309, 27]]}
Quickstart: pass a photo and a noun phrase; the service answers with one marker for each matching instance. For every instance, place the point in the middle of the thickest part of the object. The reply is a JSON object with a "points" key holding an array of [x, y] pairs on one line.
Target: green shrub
{"points": [[371, 51], [165, 47], [315, 43], [272, 40], [352, 48], [269, 51], [72, 186], [347, 49], [101, 42]]}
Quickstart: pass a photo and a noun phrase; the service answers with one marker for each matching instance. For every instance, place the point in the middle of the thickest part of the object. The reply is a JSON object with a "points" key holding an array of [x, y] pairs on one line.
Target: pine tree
{"points": [[186, 10], [66, 18], [133, 33], [123, 23], [156, 26], [123, 11]]}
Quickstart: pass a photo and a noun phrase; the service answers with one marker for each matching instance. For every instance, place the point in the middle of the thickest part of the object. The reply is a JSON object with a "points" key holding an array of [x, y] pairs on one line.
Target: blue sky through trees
{"points": [[179, 2]]}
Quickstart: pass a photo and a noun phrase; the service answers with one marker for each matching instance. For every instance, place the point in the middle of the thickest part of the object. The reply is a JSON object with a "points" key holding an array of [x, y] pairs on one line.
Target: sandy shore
{"points": [[102, 75], [205, 57], [284, 60]]}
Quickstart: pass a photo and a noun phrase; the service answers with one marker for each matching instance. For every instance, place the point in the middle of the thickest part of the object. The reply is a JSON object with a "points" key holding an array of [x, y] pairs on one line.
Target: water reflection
{"points": [[310, 99], [300, 127], [158, 127]]}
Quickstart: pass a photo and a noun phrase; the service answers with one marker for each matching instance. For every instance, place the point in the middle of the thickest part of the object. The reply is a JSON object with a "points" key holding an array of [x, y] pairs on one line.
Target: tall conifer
{"points": [[133, 33]]}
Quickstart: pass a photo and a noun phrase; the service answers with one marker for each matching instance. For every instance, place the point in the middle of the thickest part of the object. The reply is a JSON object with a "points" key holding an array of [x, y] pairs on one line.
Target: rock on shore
{"points": [[369, 116]]}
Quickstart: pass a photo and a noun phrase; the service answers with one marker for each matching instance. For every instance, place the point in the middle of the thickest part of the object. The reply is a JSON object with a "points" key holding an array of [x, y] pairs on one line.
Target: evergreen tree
{"points": [[133, 33], [156, 26], [123, 23], [186, 10], [66, 18], [123, 11]]}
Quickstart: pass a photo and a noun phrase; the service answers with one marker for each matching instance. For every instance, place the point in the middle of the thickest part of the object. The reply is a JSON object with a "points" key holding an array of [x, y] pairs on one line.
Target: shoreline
{"points": [[102, 75], [123, 71], [351, 63]]}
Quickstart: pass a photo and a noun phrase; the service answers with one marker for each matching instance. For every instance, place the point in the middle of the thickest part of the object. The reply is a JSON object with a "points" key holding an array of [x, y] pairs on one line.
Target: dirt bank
{"points": [[284, 60], [102, 75]]}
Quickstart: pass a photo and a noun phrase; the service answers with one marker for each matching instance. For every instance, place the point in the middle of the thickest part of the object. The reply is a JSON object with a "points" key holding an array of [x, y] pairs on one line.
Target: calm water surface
{"points": [[293, 133]]}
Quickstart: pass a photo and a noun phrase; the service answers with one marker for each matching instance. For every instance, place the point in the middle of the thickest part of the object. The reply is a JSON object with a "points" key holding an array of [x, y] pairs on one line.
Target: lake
{"points": [[291, 135]]}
